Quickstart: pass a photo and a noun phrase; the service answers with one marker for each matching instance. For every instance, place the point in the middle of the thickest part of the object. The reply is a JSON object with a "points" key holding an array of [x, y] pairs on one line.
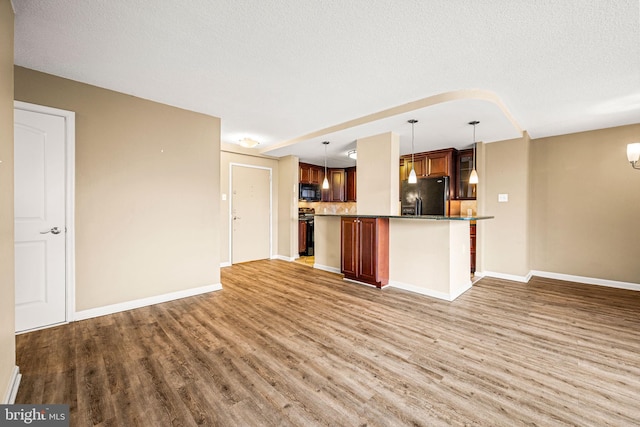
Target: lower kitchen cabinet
{"points": [[472, 228], [302, 237], [365, 249]]}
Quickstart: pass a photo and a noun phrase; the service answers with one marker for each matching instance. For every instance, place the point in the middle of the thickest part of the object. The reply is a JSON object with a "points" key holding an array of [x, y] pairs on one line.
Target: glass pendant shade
{"points": [[325, 183], [413, 179], [473, 178], [633, 152]]}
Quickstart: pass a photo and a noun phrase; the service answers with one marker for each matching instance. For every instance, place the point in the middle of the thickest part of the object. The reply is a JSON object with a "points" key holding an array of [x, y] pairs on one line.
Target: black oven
{"points": [[310, 192], [305, 216]]}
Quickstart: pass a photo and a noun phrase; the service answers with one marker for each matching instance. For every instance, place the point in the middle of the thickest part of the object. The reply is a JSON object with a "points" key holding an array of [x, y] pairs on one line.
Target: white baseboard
{"points": [[143, 302], [587, 280], [512, 277], [283, 258], [462, 290], [225, 264], [362, 283], [12, 387], [327, 268], [434, 294]]}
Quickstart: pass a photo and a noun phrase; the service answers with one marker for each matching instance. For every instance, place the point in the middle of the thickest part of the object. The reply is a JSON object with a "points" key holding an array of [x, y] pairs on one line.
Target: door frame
{"points": [[231, 165], [70, 174]]}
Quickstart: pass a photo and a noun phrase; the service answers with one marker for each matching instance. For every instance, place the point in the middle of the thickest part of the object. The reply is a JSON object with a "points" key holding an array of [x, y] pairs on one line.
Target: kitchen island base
{"points": [[428, 256]]}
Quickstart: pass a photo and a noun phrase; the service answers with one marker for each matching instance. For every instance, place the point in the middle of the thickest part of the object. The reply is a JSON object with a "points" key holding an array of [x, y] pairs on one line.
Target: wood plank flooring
{"points": [[286, 345]]}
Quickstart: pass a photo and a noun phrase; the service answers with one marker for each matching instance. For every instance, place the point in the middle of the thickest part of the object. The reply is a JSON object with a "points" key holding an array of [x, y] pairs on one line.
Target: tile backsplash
{"points": [[456, 207], [329, 207], [463, 208]]}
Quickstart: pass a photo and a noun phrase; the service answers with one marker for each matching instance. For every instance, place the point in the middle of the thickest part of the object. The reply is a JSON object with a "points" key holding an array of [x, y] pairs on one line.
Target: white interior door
{"points": [[250, 213], [39, 163]]}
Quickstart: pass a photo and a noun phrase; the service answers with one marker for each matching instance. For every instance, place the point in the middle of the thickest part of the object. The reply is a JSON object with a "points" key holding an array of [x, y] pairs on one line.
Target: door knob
{"points": [[54, 230], [236, 217]]}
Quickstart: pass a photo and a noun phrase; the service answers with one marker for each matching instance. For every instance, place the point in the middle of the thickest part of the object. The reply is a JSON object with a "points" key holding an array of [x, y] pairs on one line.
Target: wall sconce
{"points": [[633, 154], [352, 154]]}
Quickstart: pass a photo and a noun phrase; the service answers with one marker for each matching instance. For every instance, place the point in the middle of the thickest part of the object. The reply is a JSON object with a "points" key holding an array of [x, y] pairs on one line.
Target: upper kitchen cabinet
{"points": [[337, 186], [311, 174], [429, 164], [432, 164], [419, 164], [351, 183], [440, 163], [464, 167]]}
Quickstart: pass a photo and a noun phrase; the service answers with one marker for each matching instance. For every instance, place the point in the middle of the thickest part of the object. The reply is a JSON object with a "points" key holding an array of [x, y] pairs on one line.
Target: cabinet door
{"points": [[336, 185], [305, 173], [349, 246], [368, 249], [472, 232], [464, 166], [302, 236], [419, 165], [317, 175], [438, 164], [351, 184]]}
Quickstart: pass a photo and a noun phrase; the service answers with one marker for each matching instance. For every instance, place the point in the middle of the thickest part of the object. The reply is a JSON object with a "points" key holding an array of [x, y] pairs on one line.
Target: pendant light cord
{"points": [[474, 146], [325, 157], [412, 149]]}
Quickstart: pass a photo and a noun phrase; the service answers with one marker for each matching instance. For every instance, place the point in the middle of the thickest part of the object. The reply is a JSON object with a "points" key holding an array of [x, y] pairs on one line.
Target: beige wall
{"points": [[503, 168], [327, 243], [440, 269], [378, 180], [226, 158], [585, 205], [7, 312], [288, 207], [147, 191]]}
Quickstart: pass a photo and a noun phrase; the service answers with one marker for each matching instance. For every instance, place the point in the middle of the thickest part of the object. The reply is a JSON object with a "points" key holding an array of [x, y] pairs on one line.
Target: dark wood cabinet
{"points": [[351, 175], [342, 182], [472, 235], [419, 163], [317, 175], [302, 237], [440, 163], [464, 166], [337, 186], [365, 250], [432, 164], [311, 174]]}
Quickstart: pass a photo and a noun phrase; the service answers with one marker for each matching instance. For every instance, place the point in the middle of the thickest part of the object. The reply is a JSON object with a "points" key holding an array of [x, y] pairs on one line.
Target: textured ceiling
{"points": [[278, 70]]}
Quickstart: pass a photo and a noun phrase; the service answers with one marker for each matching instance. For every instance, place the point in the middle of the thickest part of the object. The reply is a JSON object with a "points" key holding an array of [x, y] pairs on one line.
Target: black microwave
{"points": [[310, 192]]}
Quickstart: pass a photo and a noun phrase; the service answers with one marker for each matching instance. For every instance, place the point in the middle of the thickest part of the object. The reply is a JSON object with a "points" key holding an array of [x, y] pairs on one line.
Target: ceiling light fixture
{"points": [[352, 154], [325, 182], [248, 142], [633, 154], [413, 179], [473, 178]]}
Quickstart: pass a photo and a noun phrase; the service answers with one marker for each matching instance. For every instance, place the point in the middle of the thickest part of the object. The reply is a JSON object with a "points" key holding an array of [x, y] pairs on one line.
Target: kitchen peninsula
{"points": [[429, 255], [424, 254]]}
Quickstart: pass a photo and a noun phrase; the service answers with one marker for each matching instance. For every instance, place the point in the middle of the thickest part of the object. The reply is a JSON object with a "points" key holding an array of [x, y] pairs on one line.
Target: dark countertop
{"points": [[413, 217]]}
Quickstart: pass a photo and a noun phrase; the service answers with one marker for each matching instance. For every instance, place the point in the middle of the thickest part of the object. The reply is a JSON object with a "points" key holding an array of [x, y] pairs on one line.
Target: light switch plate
{"points": [[503, 197], [224, 197]]}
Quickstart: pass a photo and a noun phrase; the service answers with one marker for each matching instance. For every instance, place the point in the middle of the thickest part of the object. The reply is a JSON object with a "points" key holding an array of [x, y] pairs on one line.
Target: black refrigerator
{"points": [[429, 196]]}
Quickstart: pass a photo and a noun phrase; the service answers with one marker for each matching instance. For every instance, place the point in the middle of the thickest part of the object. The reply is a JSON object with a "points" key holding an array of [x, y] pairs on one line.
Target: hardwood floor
{"points": [[283, 344]]}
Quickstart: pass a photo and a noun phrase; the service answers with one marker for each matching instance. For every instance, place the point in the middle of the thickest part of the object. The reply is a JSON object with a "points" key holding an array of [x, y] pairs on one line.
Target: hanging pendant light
{"points": [[413, 179], [325, 182], [473, 178]]}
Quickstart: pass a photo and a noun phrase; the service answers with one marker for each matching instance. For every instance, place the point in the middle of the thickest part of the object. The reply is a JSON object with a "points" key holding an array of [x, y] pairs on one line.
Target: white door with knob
{"points": [[250, 213], [39, 213]]}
